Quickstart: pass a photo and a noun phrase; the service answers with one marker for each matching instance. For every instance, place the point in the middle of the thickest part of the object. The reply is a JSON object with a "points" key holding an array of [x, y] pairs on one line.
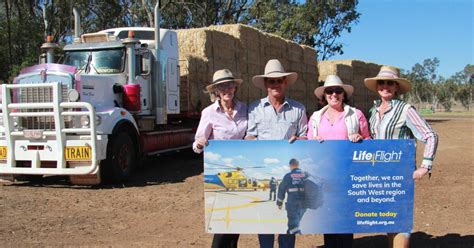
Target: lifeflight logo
{"points": [[376, 157]]}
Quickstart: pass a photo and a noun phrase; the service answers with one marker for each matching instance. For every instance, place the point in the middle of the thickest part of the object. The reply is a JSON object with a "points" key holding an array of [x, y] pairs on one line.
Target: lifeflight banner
{"points": [[339, 186]]}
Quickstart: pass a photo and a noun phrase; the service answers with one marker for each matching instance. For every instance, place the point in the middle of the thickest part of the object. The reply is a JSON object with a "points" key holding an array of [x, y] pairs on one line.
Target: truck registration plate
{"points": [[78, 153], [33, 134], [3, 152]]}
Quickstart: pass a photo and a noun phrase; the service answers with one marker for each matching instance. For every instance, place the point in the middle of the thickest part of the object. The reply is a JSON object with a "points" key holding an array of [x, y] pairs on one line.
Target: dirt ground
{"points": [[162, 205]]}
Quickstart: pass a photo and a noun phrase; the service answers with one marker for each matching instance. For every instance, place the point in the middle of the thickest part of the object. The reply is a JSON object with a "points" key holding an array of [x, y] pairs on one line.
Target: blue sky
{"points": [[403, 33], [274, 159]]}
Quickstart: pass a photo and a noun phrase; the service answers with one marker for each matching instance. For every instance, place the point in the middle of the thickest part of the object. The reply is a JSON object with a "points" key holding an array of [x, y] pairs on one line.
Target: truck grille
{"points": [[40, 95]]}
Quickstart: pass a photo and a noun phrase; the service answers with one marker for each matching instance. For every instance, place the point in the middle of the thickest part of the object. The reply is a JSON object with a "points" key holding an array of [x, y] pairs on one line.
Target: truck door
{"points": [[172, 86]]}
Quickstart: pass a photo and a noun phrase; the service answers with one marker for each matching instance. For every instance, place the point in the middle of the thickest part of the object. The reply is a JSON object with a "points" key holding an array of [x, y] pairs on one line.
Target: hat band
{"points": [[388, 74], [274, 72], [222, 79]]}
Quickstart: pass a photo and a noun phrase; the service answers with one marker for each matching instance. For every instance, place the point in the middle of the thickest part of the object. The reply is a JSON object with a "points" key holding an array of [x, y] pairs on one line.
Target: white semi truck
{"points": [[107, 102]]}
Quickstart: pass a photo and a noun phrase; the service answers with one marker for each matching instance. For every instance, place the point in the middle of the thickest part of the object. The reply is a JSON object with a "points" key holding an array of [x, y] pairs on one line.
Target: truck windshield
{"points": [[96, 62]]}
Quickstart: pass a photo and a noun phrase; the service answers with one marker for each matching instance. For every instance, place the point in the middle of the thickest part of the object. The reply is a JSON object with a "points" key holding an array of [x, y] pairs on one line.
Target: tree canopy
{"points": [[429, 87]]}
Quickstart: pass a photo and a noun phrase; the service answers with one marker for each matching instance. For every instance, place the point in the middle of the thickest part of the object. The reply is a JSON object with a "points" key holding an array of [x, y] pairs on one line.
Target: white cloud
{"points": [[280, 171], [228, 161], [271, 161], [212, 156]]}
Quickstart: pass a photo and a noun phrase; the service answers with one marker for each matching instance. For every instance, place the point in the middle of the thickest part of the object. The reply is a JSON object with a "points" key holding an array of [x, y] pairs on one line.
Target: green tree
{"points": [[318, 24], [422, 76], [20, 36], [445, 92], [465, 81]]}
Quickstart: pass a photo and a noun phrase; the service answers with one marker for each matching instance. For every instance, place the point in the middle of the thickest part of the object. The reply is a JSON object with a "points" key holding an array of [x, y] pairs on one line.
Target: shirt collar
{"points": [[266, 101], [217, 106], [391, 104]]}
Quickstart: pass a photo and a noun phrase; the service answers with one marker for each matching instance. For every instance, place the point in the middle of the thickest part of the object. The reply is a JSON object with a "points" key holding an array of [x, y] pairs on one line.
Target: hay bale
{"points": [[295, 52], [223, 45], [326, 68], [309, 55], [274, 47], [248, 36], [194, 42]]}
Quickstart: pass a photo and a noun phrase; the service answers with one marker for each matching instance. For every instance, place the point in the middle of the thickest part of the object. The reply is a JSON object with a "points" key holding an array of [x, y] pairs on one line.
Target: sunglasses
{"points": [[337, 90], [387, 82], [275, 80], [225, 86]]}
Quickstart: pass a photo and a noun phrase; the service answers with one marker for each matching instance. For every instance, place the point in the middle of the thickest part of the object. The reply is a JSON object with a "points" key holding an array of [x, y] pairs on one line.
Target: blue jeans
{"points": [[284, 240]]}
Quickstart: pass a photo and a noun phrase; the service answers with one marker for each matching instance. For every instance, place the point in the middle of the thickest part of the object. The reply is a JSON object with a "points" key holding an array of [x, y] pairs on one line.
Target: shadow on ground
{"points": [[167, 168], [422, 240]]}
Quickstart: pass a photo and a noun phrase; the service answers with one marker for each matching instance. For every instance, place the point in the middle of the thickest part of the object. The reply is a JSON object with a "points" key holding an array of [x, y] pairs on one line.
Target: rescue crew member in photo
{"points": [[292, 185]]}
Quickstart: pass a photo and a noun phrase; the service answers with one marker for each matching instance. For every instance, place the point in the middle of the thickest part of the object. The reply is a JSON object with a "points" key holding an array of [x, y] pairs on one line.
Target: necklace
{"points": [[333, 114]]}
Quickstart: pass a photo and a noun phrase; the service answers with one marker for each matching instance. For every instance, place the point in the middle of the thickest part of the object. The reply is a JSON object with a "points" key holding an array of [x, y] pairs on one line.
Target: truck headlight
{"points": [[15, 122], [85, 121], [73, 95]]}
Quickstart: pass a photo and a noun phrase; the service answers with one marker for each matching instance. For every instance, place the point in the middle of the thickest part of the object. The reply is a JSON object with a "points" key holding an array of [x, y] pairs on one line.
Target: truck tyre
{"points": [[121, 158]]}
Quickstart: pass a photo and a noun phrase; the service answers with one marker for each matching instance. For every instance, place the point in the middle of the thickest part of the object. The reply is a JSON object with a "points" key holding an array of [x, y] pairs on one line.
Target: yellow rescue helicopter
{"points": [[233, 179]]}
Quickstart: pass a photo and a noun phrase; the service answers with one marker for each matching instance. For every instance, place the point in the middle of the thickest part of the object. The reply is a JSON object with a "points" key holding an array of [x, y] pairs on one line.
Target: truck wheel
{"points": [[121, 158]]}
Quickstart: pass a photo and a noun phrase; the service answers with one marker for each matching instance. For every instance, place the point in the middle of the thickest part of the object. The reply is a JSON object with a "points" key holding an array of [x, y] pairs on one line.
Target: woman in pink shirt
{"points": [[225, 119], [337, 121]]}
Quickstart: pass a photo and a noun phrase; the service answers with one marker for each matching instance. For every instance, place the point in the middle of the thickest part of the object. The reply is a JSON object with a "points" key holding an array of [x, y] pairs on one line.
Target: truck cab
{"points": [[94, 113]]}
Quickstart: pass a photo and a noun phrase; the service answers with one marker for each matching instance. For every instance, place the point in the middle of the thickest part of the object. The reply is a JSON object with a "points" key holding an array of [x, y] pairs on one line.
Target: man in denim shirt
{"points": [[276, 117]]}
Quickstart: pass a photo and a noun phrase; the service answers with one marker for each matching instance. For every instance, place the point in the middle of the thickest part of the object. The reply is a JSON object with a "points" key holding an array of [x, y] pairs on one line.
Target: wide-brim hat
{"points": [[388, 73], [333, 81], [274, 69], [222, 76]]}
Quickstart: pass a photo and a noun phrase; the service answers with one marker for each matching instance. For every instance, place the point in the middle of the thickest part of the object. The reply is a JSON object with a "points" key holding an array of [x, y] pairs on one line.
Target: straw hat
{"points": [[388, 73], [333, 81], [274, 69], [222, 76]]}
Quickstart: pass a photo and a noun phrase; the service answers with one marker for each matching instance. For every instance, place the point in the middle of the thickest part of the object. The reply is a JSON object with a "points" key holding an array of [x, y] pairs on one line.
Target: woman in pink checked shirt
{"points": [[225, 119], [337, 121]]}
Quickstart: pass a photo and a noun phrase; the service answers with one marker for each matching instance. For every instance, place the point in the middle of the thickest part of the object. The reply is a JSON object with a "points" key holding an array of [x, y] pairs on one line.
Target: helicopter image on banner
{"points": [[233, 178]]}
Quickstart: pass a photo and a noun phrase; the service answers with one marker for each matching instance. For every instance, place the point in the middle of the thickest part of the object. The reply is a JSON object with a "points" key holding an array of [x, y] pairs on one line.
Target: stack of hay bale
{"points": [[352, 72], [245, 51]]}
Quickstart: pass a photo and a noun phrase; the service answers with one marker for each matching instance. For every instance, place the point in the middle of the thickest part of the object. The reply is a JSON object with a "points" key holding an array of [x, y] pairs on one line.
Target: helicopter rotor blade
{"points": [[224, 165]]}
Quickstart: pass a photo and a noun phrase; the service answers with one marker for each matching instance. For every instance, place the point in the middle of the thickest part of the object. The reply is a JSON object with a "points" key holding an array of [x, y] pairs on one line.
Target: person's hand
{"points": [[355, 137], [293, 138], [321, 140], [419, 173], [201, 142]]}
